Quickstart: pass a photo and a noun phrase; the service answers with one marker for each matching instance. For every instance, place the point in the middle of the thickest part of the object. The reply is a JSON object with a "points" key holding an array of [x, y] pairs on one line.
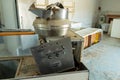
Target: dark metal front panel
{"points": [[54, 56]]}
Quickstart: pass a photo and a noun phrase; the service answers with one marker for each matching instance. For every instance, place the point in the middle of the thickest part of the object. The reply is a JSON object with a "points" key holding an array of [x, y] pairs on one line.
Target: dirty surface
{"points": [[103, 59]]}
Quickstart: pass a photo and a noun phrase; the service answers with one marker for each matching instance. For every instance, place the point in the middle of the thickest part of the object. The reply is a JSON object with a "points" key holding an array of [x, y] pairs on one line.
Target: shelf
{"points": [[110, 17], [16, 33]]}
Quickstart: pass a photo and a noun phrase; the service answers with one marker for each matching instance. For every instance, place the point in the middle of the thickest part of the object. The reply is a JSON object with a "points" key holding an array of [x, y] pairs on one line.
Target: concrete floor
{"points": [[103, 59]]}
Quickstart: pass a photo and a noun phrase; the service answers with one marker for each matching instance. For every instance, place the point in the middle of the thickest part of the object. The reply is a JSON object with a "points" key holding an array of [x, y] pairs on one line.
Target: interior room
{"points": [[60, 39]]}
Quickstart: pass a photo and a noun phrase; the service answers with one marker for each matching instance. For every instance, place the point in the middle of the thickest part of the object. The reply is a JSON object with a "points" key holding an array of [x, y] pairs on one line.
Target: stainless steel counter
{"points": [[18, 45]]}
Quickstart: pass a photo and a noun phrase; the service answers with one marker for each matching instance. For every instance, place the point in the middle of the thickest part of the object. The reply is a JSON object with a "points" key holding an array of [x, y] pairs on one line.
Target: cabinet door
{"points": [[115, 32], [25, 17]]}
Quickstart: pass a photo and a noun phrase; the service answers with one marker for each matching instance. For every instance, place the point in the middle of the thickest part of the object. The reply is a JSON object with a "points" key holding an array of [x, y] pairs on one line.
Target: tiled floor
{"points": [[103, 59]]}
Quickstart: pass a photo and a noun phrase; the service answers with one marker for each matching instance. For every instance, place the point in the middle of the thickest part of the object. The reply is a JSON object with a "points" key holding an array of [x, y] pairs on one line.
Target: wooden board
{"points": [[15, 33], [115, 31], [27, 67], [78, 75]]}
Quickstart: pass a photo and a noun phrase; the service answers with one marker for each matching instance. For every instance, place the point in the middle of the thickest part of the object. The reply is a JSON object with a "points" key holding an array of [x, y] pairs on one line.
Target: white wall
{"points": [[85, 12], [110, 6]]}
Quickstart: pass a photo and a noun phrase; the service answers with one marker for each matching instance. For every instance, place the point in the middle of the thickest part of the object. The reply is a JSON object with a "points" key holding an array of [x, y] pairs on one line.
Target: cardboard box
{"points": [[91, 36]]}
